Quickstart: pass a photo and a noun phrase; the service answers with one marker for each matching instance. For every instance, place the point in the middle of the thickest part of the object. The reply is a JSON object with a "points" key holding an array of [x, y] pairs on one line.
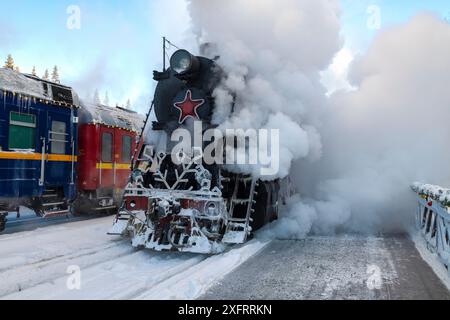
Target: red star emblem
{"points": [[188, 107]]}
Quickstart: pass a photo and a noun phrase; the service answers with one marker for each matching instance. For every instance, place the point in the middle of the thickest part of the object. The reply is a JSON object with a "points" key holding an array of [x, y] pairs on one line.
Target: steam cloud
{"points": [[393, 130], [272, 53], [353, 154]]}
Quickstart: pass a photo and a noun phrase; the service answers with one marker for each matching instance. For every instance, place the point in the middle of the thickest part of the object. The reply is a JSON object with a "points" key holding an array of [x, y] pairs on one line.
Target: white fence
{"points": [[433, 219]]}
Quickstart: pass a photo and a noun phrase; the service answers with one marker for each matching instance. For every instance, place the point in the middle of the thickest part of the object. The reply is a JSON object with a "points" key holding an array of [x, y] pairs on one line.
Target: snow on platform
{"points": [[36, 265], [337, 268]]}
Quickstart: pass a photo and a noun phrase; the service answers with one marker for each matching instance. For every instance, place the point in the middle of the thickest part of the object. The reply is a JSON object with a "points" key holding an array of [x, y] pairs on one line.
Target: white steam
{"points": [[391, 131], [272, 52], [354, 154]]}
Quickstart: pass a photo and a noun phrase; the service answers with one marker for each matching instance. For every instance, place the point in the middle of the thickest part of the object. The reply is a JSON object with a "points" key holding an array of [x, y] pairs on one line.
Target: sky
{"points": [[118, 43]]}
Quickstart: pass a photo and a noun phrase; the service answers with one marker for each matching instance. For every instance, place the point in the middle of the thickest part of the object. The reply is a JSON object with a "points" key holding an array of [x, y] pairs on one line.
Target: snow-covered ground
{"points": [[37, 265], [340, 267]]}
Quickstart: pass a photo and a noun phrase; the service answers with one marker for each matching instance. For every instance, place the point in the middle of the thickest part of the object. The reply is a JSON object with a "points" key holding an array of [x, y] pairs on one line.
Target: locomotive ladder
{"points": [[238, 229]]}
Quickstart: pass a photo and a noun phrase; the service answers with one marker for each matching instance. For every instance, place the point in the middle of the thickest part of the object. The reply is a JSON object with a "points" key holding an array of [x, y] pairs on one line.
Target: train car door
{"points": [[59, 150], [123, 154], [106, 163], [20, 172]]}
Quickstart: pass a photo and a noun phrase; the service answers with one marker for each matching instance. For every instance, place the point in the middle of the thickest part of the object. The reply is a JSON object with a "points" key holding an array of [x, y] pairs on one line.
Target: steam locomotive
{"points": [[57, 153], [191, 205]]}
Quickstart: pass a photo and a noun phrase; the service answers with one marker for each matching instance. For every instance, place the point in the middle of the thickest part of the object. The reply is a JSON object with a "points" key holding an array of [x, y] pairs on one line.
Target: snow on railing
{"points": [[433, 219]]}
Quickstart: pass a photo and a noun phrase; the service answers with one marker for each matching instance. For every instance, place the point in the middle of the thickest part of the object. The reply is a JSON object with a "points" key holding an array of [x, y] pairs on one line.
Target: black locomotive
{"points": [[176, 199]]}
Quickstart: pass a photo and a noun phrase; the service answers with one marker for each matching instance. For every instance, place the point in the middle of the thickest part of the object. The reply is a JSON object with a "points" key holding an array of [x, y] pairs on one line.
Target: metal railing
{"points": [[433, 219]]}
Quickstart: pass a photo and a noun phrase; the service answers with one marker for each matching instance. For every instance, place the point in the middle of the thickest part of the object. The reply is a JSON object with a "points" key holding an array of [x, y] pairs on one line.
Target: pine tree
{"points": [[33, 72], [17, 69], [128, 105], [9, 64], [46, 75], [97, 100], [55, 75], [106, 98]]}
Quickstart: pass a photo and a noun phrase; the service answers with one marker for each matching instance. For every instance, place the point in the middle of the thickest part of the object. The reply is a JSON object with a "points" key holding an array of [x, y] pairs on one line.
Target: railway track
{"points": [[33, 223], [35, 264]]}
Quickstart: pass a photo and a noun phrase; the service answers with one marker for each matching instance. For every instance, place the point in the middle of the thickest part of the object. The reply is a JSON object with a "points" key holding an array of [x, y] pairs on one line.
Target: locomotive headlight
{"points": [[182, 62], [211, 209], [133, 204]]}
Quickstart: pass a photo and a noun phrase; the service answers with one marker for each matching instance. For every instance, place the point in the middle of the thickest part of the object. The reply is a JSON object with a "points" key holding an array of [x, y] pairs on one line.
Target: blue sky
{"points": [[392, 12], [119, 43]]}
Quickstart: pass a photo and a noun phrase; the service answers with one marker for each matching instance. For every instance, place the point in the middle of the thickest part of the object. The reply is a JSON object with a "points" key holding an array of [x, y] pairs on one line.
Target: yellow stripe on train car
{"points": [[37, 156], [111, 166], [123, 166], [61, 157]]}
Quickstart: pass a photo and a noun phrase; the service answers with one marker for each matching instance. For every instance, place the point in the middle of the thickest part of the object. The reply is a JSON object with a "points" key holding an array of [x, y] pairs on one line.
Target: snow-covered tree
{"points": [[17, 69], [46, 75], [9, 64], [128, 105], [55, 75], [97, 97], [33, 72], [106, 98]]}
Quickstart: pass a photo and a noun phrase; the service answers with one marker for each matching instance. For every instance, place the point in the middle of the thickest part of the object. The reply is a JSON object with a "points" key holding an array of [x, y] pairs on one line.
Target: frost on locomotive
{"points": [[190, 206]]}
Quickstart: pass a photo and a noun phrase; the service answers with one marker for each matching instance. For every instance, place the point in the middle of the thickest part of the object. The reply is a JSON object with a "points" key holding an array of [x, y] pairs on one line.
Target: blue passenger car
{"points": [[38, 145]]}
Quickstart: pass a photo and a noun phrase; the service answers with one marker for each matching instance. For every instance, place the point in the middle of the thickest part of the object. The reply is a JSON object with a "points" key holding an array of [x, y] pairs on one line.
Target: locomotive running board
{"points": [[120, 225]]}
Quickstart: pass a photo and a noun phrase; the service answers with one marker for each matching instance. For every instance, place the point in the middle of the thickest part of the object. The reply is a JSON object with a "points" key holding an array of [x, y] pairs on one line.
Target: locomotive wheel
{"points": [[3, 221], [83, 206], [78, 209]]}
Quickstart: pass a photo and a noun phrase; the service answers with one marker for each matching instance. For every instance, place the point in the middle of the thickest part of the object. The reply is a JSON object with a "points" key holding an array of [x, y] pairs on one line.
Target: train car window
{"points": [[107, 139], [58, 137], [22, 131], [126, 148]]}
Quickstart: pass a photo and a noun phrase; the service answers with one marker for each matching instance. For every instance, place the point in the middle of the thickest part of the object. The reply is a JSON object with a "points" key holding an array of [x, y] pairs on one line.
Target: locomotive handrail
{"points": [[433, 219], [181, 194], [141, 135], [72, 178], [100, 172], [42, 178]]}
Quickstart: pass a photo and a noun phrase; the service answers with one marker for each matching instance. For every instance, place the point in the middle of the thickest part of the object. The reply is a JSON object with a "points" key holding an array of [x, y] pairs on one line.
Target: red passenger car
{"points": [[107, 139]]}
